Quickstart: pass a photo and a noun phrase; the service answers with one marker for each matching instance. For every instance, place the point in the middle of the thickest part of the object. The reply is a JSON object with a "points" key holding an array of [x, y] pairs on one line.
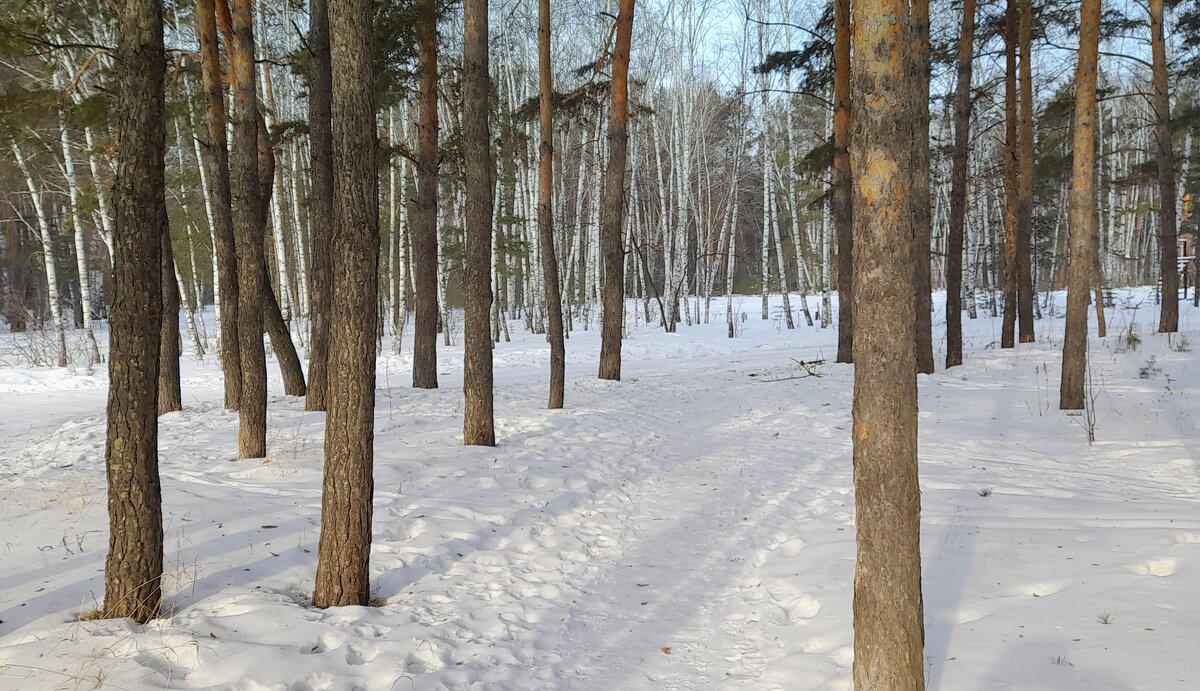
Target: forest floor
{"points": [[691, 527]]}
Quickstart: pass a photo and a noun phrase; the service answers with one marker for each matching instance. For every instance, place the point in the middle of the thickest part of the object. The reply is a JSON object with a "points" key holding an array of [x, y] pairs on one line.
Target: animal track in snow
{"points": [[1159, 566]]}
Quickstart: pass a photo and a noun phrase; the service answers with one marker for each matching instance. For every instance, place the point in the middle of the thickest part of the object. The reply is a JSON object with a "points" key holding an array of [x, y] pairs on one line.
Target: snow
{"points": [[690, 527]]}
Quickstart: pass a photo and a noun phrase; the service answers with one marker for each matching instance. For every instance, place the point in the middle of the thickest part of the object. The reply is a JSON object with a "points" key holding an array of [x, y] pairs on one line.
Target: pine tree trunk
{"points": [[133, 567], [170, 397], [888, 610], [478, 422], [843, 208], [343, 557], [1168, 321], [958, 182], [545, 212], [248, 219], [613, 212], [424, 227], [218, 163], [320, 204], [1011, 167], [920, 199], [1082, 207], [1025, 179], [273, 320]]}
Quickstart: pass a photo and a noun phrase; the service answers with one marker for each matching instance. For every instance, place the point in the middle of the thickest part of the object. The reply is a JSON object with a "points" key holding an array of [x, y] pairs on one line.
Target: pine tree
{"points": [[958, 181], [1168, 321], [424, 229], [320, 200], [1082, 206], [478, 421], [343, 574], [133, 568], [545, 209], [888, 610], [613, 203], [247, 215]]}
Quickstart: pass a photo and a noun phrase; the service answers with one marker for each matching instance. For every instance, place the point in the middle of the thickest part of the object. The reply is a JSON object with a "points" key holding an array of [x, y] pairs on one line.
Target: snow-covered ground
{"points": [[688, 528]]}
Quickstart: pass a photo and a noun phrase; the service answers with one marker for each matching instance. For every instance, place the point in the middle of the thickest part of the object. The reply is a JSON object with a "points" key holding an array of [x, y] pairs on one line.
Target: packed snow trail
{"points": [[688, 528]]}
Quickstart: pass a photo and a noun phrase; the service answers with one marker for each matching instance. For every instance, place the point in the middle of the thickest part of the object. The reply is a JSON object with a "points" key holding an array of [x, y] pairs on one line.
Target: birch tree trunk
{"points": [[85, 290], [48, 259]]}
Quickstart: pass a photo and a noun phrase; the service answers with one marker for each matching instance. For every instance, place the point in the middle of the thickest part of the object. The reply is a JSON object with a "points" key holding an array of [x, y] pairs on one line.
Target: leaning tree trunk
{"points": [[614, 201], [920, 200], [424, 229], [888, 610], [843, 207], [545, 211], [272, 315], [133, 568], [958, 183], [1168, 320], [1025, 179], [218, 162], [479, 428], [247, 204], [170, 397], [1082, 209], [320, 207], [345, 544]]}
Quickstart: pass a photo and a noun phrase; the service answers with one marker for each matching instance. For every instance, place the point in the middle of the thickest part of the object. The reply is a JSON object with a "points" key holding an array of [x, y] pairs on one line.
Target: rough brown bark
{"points": [[1168, 319], [545, 214], [133, 567], [320, 206], [888, 610], [218, 163], [424, 228], [282, 345], [170, 397], [1025, 179], [479, 427], [247, 206], [1082, 209], [958, 184], [613, 202], [922, 215], [843, 208], [1009, 327], [273, 321], [345, 544]]}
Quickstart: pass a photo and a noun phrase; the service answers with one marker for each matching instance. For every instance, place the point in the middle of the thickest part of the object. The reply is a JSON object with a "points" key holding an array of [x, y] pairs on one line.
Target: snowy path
{"points": [[688, 528]]}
